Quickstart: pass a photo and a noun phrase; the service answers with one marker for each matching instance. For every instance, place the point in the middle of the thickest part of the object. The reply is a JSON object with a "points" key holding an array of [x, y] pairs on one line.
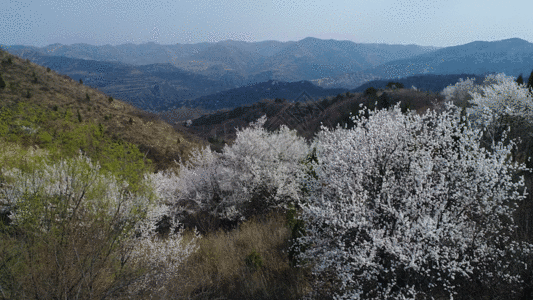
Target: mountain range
{"points": [[209, 77]]}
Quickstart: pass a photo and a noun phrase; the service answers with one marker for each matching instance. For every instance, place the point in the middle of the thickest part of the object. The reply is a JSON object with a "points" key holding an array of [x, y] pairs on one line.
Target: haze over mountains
{"points": [[163, 77]]}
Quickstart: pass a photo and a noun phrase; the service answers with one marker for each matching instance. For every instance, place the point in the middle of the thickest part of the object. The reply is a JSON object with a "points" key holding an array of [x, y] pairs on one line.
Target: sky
{"points": [[439, 23]]}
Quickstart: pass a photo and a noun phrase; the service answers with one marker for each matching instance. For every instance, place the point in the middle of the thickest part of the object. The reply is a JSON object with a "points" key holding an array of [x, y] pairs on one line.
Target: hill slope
{"points": [[53, 112]]}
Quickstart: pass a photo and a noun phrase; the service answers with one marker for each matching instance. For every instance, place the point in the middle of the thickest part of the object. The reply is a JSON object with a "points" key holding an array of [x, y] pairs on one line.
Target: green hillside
{"points": [[44, 110]]}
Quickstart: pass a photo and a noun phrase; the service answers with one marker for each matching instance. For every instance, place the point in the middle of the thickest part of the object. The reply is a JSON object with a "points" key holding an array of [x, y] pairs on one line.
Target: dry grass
{"points": [[218, 270]]}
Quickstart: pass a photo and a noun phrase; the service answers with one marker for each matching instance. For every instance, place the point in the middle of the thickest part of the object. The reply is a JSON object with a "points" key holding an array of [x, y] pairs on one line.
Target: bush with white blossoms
{"points": [[78, 226], [409, 206], [460, 92], [224, 184], [497, 106]]}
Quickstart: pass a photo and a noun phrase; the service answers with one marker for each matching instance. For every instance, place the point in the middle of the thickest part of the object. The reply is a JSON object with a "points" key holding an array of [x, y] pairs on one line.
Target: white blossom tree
{"points": [[258, 167], [500, 105], [88, 223], [408, 206]]}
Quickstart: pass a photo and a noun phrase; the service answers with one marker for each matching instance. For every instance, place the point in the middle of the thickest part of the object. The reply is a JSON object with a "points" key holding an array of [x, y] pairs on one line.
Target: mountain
{"points": [[510, 56], [152, 87], [244, 62], [293, 91], [313, 58], [192, 78]]}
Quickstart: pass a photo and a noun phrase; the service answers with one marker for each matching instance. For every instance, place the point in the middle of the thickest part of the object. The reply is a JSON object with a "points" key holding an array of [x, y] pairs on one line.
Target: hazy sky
{"points": [[438, 23]]}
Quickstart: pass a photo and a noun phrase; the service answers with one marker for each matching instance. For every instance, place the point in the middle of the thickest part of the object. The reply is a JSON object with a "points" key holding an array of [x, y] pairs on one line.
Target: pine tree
{"points": [[530, 82], [371, 91], [81, 81], [520, 80]]}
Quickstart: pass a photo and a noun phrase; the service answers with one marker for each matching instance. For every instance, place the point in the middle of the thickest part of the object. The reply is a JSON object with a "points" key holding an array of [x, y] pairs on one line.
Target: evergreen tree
{"points": [[520, 80], [371, 91], [81, 81], [384, 101], [530, 82]]}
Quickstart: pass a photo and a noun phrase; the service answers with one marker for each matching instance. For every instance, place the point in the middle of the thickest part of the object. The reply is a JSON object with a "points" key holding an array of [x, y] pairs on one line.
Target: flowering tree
{"points": [[500, 105], [407, 206], [71, 226], [227, 185]]}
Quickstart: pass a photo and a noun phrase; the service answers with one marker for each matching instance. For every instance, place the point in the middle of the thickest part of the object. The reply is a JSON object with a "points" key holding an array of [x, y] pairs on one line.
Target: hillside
{"points": [[151, 87], [272, 89], [427, 82], [220, 127], [53, 112]]}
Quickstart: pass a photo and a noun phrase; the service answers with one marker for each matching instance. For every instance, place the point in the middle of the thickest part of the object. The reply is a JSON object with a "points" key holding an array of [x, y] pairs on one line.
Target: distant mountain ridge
{"points": [[511, 56], [307, 59], [165, 77]]}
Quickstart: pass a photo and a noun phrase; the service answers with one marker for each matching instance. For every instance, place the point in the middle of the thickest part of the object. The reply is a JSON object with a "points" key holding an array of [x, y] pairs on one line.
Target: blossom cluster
{"points": [[406, 205], [75, 197], [223, 184]]}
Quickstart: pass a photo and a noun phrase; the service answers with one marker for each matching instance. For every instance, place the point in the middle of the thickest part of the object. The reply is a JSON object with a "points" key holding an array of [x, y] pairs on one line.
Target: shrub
{"points": [[3, 84], [87, 96], [79, 116], [324, 103], [460, 92], [48, 70], [409, 206], [371, 91], [8, 61], [258, 171], [395, 85], [254, 261], [501, 99], [110, 99], [76, 233], [81, 81], [28, 94]]}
